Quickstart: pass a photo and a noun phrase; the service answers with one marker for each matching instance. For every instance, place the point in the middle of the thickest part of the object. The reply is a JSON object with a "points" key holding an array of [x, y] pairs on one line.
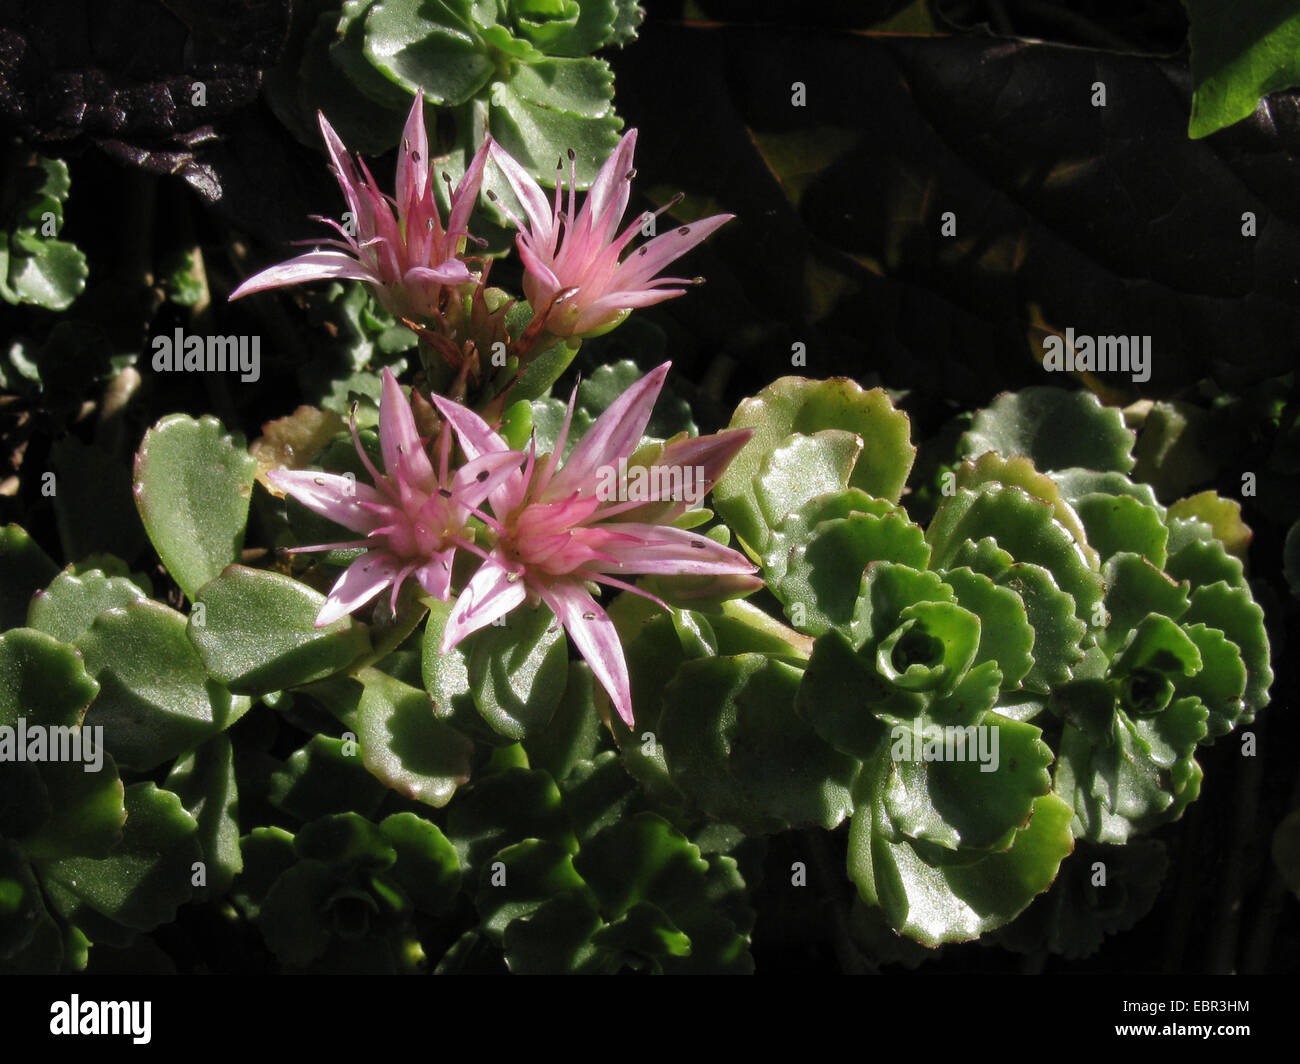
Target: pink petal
{"points": [[607, 199], [639, 267], [404, 455], [600, 311], [478, 478], [594, 635], [337, 497], [313, 266], [361, 581], [435, 575], [346, 174], [492, 592], [664, 549], [614, 435], [453, 271], [466, 194], [708, 457], [529, 192], [413, 158], [476, 439]]}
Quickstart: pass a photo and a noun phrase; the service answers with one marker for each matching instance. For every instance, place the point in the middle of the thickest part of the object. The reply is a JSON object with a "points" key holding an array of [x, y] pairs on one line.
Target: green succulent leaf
{"points": [[1234, 613], [837, 696], [148, 874], [156, 700], [932, 649], [665, 901], [1019, 472], [802, 468], [1222, 515], [517, 672], [204, 781], [1005, 633], [797, 527], [1058, 633], [1221, 683], [1118, 523], [73, 600], [1134, 589], [934, 902], [735, 744], [824, 574], [504, 808], [1021, 525], [1055, 429], [1206, 561], [1237, 57], [322, 777], [432, 46], [193, 482], [520, 879], [976, 792], [795, 405], [563, 935], [256, 632], [574, 734], [671, 415], [427, 867], [405, 746], [34, 267], [24, 570]]}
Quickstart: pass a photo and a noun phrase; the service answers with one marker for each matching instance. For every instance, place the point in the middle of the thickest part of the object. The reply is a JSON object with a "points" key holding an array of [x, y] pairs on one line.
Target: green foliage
{"points": [[193, 482], [35, 267], [1239, 55], [521, 70]]}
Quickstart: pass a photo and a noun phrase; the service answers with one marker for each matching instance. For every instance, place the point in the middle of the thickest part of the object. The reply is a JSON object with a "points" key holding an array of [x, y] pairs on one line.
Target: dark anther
{"points": [[684, 230], [444, 493], [572, 155], [588, 616], [483, 476], [697, 545]]}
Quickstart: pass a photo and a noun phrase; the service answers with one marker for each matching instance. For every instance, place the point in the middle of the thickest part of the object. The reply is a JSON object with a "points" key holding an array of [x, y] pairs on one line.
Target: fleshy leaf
{"points": [[735, 744], [147, 875], [156, 700], [405, 746], [1054, 428], [24, 570], [933, 902], [73, 600], [795, 405], [204, 781], [325, 776], [193, 482], [258, 633], [1233, 612], [824, 574], [517, 672]]}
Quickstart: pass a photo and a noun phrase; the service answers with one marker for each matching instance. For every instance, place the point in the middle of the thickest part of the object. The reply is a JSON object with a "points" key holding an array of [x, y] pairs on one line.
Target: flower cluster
{"points": [[553, 534], [577, 278]]}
